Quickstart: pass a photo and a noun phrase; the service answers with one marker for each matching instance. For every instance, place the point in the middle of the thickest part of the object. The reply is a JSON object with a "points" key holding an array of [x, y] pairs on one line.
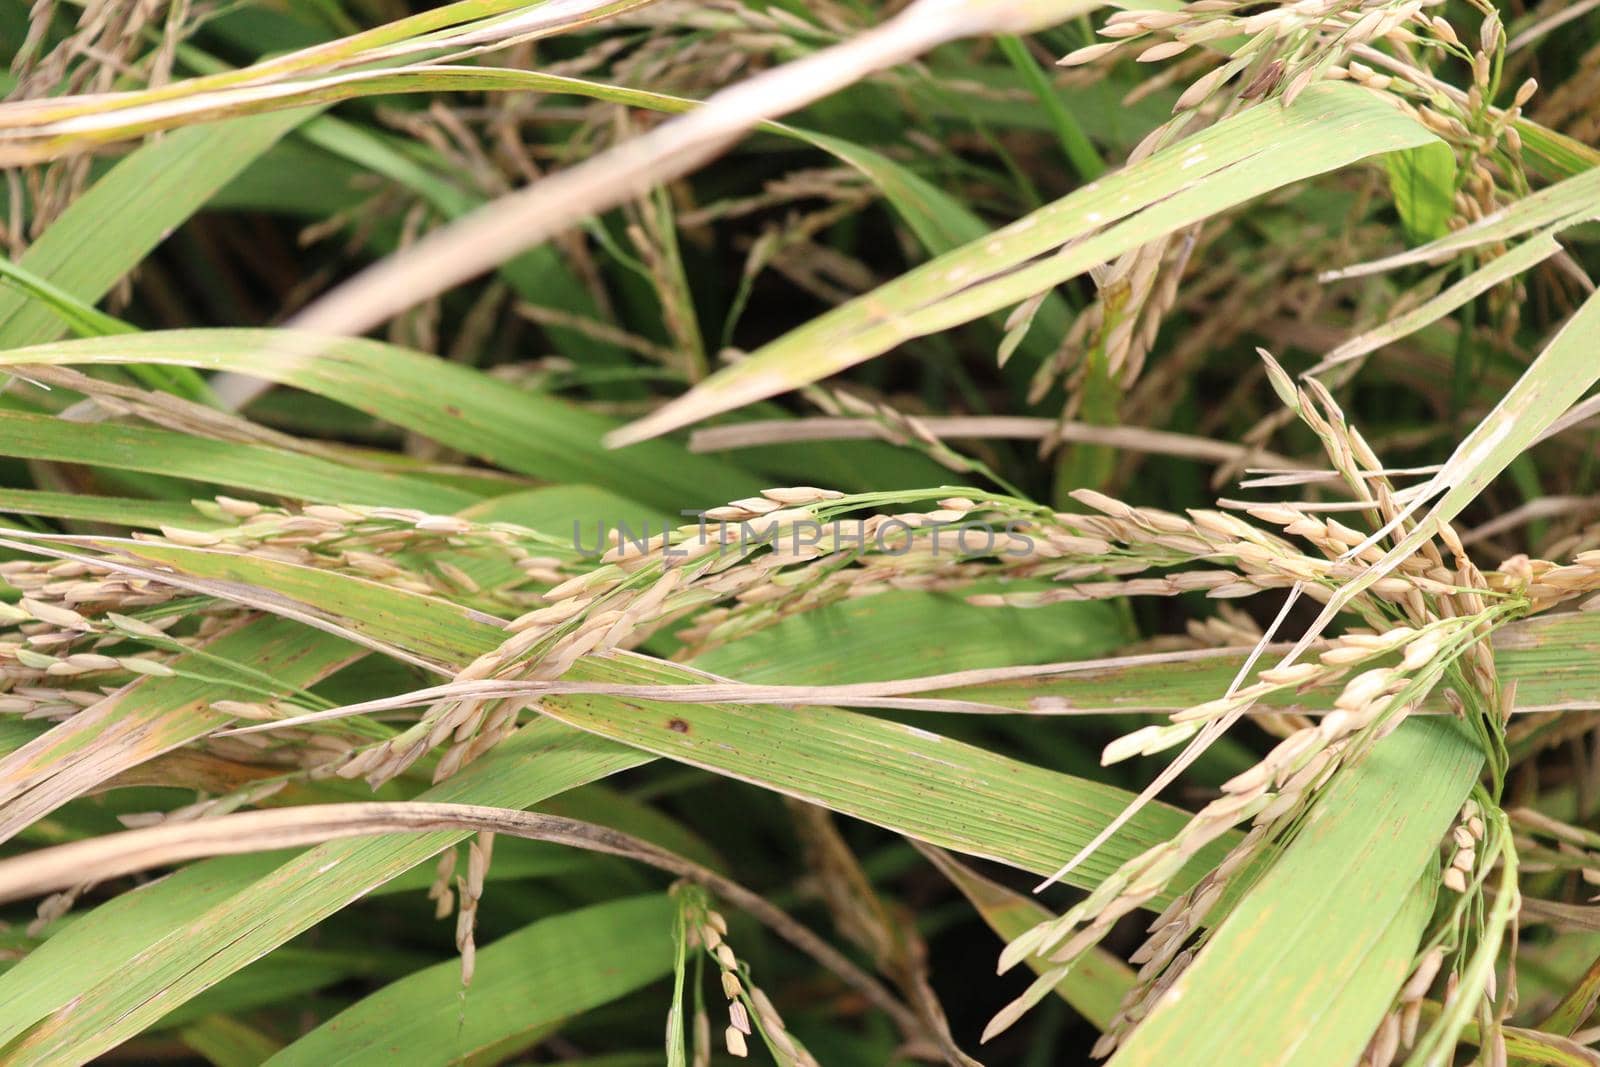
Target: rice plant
{"points": [[615, 532]]}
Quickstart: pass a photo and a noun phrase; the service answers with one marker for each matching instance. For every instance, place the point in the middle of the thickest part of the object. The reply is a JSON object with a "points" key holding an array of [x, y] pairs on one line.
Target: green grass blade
{"points": [[1308, 962], [227, 1042], [1261, 149], [74, 957], [453, 404], [1075, 143], [1532, 653], [261, 468], [1422, 181], [119, 511], [81, 318], [1553, 208], [907, 779], [108, 230], [540, 761], [524, 985], [876, 638]]}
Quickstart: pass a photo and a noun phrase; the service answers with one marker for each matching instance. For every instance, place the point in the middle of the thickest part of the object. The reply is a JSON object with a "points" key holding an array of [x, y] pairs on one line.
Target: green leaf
{"points": [[108, 230], [455, 405], [438, 630], [876, 638], [80, 317], [524, 985], [566, 511], [261, 468], [290, 974], [1500, 269], [1254, 152], [78, 955], [1534, 654], [1554, 208], [1305, 966], [120, 511], [227, 1042], [904, 778], [1422, 181], [79, 951], [541, 760], [1075, 143]]}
